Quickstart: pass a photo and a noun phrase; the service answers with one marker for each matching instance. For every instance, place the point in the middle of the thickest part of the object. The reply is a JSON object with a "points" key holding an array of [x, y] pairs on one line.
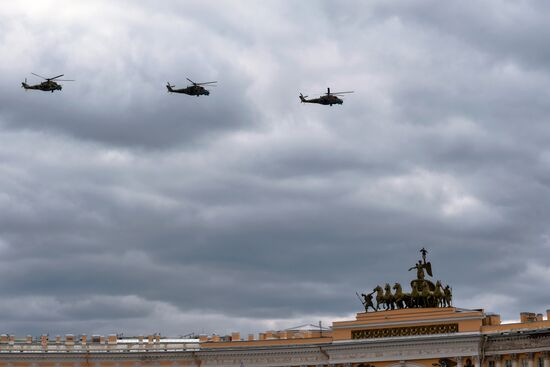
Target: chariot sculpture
{"points": [[424, 293]]}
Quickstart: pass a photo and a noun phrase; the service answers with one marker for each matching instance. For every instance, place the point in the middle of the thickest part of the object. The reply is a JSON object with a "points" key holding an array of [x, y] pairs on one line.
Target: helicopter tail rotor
{"points": [[302, 98], [169, 87]]}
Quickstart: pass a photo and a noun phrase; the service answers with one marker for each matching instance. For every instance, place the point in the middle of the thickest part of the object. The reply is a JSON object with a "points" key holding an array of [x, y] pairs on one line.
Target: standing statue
{"points": [[448, 296], [419, 270], [421, 265], [366, 300]]}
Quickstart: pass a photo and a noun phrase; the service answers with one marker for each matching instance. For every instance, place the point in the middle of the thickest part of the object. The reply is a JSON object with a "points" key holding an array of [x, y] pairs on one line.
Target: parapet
{"points": [[97, 343], [304, 334]]}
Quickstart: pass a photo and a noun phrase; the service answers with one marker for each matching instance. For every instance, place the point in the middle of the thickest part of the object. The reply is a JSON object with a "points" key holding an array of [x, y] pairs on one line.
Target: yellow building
{"points": [[420, 337], [416, 330]]}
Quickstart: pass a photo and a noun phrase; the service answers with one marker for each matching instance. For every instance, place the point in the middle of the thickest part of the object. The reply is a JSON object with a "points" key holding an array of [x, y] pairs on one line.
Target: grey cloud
{"points": [[123, 206]]}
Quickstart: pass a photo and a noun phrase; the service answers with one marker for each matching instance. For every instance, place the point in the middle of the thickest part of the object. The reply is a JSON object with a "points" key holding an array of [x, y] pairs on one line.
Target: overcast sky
{"points": [[125, 209]]}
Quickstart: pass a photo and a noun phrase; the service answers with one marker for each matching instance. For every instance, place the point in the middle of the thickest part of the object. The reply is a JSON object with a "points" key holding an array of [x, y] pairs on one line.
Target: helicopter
{"points": [[48, 86], [196, 89], [327, 99]]}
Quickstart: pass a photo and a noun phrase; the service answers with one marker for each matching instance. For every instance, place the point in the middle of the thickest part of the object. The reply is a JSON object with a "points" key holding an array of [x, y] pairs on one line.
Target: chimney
{"points": [[235, 336], [261, 336], [527, 317], [215, 338], [140, 339], [203, 338], [29, 339], [150, 339], [250, 337], [44, 340], [4, 338], [69, 339], [540, 317], [547, 314], [12, 339], [83, 339], [58, 339], [492, 319], [111, 339]]}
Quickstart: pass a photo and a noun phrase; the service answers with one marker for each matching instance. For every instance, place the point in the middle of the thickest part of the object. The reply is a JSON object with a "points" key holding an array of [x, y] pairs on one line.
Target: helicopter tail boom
{"points": [[25, 86], [169, 87], [302, 98]]}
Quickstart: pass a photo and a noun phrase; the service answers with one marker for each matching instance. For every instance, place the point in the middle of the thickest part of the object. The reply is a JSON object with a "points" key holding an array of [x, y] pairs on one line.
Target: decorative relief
{"points": [[404, 331], [537, 341]]}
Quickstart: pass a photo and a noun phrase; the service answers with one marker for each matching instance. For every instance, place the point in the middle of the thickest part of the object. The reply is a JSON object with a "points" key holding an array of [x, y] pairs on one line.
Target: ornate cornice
{"points": [[404, 331], [518, 342]]}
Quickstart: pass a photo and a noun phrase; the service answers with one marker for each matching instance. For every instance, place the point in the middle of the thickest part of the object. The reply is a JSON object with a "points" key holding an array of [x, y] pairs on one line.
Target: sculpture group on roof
{"points": [[424, 293]]}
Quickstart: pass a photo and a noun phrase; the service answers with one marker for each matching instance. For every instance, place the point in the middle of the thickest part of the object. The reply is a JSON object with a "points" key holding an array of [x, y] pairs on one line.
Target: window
{"points": [[540, 362], [508, 363], [491, 363], [524, 363]]}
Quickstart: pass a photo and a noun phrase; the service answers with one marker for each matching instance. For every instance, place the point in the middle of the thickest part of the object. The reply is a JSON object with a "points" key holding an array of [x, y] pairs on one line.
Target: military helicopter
{"points": [[196, 89], [48, 86], [327, 99]]}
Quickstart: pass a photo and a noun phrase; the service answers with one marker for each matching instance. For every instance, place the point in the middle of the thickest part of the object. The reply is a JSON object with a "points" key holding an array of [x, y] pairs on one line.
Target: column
{"points": [[498, 361], [514, 358], [530, 359], [546, 359], [476, 361], [458, 361]]}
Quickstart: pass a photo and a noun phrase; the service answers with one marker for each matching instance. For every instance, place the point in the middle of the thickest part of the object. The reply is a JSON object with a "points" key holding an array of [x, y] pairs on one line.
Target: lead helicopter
{"points": [[327, 99], [196, 89], [49, 85]]}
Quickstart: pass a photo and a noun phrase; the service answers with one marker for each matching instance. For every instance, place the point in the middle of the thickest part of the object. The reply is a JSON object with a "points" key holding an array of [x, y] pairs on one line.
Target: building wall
{"points": [[476, 343]]}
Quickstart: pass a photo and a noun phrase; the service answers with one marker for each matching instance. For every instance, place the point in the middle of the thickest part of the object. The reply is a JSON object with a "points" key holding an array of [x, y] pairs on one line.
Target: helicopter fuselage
{"points": [[47, 86], [327, 100], [192, 90]]}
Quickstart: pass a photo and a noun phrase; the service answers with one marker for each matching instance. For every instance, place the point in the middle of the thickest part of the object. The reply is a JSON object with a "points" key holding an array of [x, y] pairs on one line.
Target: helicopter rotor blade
{"points": [[341, 92], [191, 81], [206, 83], [55, 77], [40, 76], [66, 80]]}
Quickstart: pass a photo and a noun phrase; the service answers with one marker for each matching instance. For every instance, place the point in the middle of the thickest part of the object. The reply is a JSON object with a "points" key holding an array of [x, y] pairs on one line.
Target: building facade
{"points": [[418, 337], [398, 329]]}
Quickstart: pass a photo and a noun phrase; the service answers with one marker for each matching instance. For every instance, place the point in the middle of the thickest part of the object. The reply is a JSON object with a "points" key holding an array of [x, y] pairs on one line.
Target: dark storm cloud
{"points": [[125, 209]]}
